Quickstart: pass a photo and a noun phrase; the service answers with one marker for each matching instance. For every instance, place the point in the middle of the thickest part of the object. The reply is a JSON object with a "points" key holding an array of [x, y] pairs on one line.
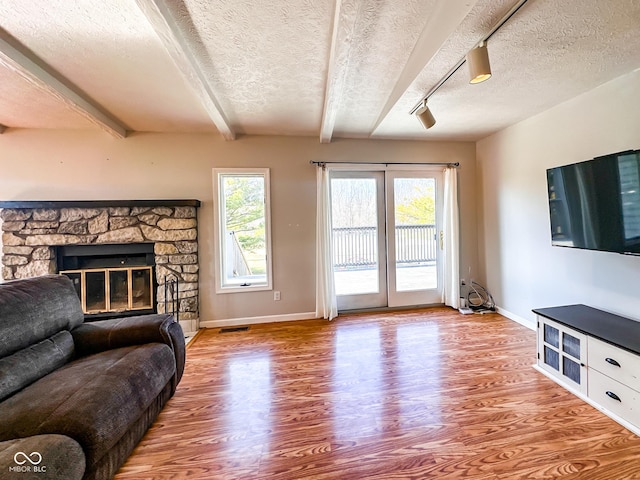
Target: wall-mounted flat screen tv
{"points": [[595, 204]]}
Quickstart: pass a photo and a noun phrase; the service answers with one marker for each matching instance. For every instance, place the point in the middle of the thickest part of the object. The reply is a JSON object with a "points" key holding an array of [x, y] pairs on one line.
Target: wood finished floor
{"points": [[409, 395]]}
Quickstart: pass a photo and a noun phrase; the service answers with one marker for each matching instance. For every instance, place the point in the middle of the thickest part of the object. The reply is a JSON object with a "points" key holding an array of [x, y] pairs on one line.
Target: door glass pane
{"points": [[141, 288], [76, 278], [96, 292], [355, 235], [571, 345], [119, 290], [571, 369], [415, 233], [552, 358], [551, 336]]}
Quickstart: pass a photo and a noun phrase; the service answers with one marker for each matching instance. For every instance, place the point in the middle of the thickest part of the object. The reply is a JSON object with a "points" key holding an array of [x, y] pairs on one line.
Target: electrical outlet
{"points": [[276, 295]]}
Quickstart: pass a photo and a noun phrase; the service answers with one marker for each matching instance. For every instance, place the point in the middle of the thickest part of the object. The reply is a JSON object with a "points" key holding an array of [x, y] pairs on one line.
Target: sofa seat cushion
{"points": [[93, 399]]}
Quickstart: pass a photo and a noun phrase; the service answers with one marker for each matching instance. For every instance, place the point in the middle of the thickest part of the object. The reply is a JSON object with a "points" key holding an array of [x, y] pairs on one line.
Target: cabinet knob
{"points": [[612, 362], [613, 395]]}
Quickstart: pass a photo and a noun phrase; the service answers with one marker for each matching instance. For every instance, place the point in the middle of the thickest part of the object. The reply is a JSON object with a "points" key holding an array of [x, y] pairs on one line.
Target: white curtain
{"points": [[451, 292], [326, 303]]}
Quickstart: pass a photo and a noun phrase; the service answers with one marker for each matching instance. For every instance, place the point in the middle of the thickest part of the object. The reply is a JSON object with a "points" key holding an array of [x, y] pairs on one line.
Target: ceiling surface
{"points": [[325, 68]]}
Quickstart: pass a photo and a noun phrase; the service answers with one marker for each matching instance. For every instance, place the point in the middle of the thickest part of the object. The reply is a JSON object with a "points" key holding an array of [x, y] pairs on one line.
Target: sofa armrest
{"points": [[42, 456], [94, 337]]}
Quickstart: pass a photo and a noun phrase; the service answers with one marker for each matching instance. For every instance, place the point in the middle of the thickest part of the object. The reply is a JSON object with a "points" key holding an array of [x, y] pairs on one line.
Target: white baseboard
{"points": [[291, 317], [530, 324], [233, 322]]}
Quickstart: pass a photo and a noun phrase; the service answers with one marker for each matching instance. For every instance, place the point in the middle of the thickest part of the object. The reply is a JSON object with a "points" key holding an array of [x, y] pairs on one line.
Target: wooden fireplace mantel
{"points": [[98, 203]]}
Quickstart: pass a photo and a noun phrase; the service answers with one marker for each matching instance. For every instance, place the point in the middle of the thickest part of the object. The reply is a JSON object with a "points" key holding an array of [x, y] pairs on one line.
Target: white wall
{"points": [[517, 262], [85, 165]]}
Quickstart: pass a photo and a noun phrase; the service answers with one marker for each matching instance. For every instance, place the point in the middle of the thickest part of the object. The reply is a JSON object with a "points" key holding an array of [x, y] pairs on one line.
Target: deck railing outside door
{"points": [[356, 247]]}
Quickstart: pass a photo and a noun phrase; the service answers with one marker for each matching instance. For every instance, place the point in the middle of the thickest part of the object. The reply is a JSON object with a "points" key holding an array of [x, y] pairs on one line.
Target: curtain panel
{"points": [[326, 302], [451, 229]]}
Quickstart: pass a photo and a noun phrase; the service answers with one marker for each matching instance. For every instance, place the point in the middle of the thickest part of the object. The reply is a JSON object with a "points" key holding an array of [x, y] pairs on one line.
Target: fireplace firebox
{"points": [[111, 280]]}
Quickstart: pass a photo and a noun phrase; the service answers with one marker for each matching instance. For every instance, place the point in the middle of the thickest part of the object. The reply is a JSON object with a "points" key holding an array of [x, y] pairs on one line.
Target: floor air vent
{"points": [[233, 329]]}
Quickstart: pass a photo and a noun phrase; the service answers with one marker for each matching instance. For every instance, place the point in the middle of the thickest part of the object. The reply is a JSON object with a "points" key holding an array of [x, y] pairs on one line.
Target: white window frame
{"points": [[218, 215]]}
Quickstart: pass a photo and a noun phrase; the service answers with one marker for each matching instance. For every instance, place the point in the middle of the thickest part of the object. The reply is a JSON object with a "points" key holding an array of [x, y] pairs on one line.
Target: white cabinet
{"points": [[615, 363], [562, 352], [594, 354]]}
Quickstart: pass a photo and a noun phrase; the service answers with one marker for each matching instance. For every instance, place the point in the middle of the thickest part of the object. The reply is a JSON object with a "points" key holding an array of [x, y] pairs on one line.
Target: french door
{"points": [[386, 232]]}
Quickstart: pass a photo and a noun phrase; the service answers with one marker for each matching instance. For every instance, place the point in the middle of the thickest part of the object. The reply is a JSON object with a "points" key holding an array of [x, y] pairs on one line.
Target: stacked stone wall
{"points": [[30, 235]]}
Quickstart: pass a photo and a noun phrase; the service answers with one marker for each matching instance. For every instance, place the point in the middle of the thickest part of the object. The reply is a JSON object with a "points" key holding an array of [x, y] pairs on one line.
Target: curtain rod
{"points": [[447, 164]]}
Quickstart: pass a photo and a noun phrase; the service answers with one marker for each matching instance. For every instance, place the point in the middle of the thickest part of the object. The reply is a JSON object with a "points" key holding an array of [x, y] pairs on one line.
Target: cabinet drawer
{"points": [[614, 362], [615, 397]]}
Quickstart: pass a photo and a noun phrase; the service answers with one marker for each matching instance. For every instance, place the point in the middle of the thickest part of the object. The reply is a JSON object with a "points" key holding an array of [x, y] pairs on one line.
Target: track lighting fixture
{"points": [[425, 116], [479, 68], [478, 61]]}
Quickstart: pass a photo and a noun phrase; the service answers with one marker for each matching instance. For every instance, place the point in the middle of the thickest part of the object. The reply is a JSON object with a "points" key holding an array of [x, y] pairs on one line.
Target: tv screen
{"points": [[595, 204]]}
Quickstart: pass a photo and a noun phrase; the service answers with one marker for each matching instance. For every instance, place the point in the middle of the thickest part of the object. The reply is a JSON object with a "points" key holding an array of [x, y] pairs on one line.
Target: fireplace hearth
{"points": [[123, 255]]}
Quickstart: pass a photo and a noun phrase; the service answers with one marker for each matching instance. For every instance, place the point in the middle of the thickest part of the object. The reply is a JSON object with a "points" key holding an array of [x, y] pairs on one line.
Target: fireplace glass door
{"points": [[104, 290]]}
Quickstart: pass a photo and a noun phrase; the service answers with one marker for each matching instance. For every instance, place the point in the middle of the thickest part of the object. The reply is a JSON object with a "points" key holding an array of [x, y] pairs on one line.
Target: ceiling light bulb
{"points": [[478, 61], [425, 116]]}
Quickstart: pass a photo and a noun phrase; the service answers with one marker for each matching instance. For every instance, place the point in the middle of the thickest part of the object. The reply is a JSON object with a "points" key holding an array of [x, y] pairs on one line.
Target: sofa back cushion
{"points": [[34, 309], [34, 362]]}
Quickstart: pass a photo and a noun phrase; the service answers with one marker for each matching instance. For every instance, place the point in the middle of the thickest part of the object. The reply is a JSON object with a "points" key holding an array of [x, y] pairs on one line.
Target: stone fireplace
{"points": [[35, 234]]}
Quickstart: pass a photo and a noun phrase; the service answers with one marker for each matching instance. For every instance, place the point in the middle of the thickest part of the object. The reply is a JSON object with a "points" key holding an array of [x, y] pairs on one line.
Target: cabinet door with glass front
{"points": [[563, 353]]}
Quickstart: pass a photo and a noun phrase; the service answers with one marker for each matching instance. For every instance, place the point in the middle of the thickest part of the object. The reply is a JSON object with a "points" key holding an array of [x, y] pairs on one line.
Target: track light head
{"points": [[425, 116], [478, 61]]}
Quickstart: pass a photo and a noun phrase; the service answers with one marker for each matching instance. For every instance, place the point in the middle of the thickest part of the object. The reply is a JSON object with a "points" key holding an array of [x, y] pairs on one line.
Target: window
{"points": [[243, 229]]}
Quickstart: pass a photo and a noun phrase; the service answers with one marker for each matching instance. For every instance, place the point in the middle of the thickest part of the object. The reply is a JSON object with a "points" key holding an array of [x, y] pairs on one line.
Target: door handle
{"points": [[441, 240], [613, 395], [612, 362]]}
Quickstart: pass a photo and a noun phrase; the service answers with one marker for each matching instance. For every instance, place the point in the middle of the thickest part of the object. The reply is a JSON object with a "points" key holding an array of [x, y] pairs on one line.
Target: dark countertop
{"points": [[608, 327]]}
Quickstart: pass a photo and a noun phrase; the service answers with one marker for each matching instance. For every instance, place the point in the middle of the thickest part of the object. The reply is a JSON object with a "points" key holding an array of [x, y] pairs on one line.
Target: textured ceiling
{"points": [[325, 68]]}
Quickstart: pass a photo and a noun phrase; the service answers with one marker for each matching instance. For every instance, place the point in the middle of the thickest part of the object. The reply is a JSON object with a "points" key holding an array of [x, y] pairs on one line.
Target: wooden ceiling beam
{"points": [[337, 70], [445, 18], [37, 75], [166, 27]]}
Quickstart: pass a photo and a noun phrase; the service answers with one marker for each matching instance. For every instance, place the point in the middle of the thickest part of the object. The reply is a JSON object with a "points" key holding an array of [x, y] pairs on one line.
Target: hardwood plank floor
{"points": [[407, 395]]}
